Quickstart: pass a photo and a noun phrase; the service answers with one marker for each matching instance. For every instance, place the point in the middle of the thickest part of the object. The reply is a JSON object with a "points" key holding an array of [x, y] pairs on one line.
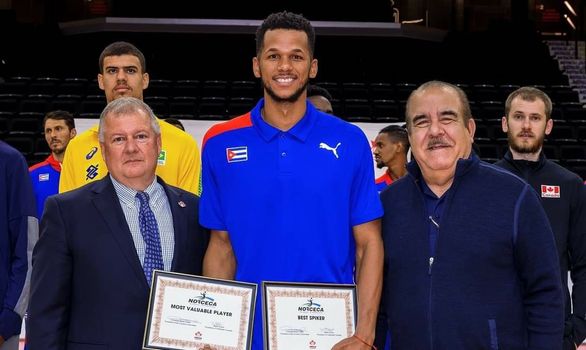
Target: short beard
{"points": [[529, 149], [380, 165], [58, 151], [291, 99]]}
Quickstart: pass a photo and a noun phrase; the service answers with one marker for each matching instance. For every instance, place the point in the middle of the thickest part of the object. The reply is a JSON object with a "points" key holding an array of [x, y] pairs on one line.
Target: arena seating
{"points": [[24, 100]]}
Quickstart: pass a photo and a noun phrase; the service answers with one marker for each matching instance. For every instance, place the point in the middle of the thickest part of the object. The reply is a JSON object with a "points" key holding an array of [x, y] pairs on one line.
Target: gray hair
{"points": [[126, 105]]}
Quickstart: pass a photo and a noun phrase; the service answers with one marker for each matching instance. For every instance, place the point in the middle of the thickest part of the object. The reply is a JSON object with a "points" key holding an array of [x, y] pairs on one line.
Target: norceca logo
{"points": [[203, 299], [310, 306]]}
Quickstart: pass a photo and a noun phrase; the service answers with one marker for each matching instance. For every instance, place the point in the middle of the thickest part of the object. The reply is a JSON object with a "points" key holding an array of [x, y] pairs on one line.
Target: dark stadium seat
{"points": [[551, 151], [44, 86], [73, 86], [182, 116], [403, 90], [159, 87], [490, 152], [337, 106], [240, 105], [357, 107], [381, 91], [25, 126], [37, 116], [10, 102], [563, 134], [93, 88], [245, 88], [563, 93], [574, 113], [92, 104], [483, 133], [505, 90], [333, 88], [355, 90], [89, 115], [581, 133], [186, 87], [23, 143], [4, 126], [491, 109], [388, 120], [41, 150], [158, 104], [484, 92], [574, 153], [214, 88], [212, 105], [384, 109], [35, 103], [14, 87], [69, 103], [183, 105]]}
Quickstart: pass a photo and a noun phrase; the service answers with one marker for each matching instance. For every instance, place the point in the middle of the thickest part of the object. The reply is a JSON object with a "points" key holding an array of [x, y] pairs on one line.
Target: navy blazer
{"points": [[88, 289]]}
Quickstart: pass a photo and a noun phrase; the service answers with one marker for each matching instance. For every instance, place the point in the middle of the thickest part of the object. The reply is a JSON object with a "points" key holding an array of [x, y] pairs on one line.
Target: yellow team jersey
{"points": [[178, 164]]}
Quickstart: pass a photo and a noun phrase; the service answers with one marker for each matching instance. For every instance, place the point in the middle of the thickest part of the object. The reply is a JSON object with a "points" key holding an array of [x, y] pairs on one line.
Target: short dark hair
{"points": [[60, 115], [316, 90], [397, 133], [176, 122], [120, 48], [285, 20], [529, 93]]}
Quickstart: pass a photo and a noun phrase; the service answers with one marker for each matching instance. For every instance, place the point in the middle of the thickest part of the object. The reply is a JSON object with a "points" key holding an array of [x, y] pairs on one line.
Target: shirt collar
{"points": [[300, 130], [521, 163], [462, 167], [53, 162], [128, 196]]}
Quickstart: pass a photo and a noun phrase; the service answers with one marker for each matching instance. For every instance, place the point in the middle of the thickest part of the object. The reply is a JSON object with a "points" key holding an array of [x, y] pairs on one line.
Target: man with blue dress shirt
{"points": [[100, 243]]}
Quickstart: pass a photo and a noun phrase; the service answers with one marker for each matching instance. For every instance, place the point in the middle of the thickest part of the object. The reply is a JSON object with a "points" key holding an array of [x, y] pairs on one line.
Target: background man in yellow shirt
{"points": [[123, 73]]}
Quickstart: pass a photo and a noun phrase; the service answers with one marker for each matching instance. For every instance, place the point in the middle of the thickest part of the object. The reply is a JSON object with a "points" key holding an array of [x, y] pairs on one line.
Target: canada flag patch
{"points": [[550, 191]]}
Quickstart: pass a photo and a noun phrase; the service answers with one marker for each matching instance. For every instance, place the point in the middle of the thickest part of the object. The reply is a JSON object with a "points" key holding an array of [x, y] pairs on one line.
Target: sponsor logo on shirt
{"points": [[550, 191], [237, 154], [91, 172], [91, 153], [162, 157], [43, 177], [327, 147]]}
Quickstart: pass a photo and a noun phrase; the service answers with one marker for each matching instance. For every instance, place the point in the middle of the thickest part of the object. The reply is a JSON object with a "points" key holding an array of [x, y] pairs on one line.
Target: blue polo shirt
{"points": [[45, 178], [288, 199]]}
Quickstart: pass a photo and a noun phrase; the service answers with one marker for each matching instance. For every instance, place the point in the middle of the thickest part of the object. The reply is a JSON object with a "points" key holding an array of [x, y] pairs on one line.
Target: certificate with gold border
{"points": [[189, 312], [307, 316]]}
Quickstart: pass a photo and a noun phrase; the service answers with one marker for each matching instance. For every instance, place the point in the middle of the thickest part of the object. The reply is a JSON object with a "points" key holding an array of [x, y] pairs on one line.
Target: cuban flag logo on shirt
{"points": [[550, 191], [44, 177], [237, 154]]}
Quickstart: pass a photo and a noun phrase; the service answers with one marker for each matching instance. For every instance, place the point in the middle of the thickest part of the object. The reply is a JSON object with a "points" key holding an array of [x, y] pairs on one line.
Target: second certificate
{"points": [[307, 316]]}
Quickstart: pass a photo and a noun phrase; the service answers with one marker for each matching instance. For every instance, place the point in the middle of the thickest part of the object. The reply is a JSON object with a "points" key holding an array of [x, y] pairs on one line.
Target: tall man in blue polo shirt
{"points": [[288, 190]]}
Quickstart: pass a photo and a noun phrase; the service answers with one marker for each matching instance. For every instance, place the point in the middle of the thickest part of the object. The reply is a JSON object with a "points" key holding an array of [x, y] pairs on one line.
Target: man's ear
{"points": [[313, 68], [549, 126], [504, 124], [256, 67], [101, 81], [145, 80]]}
